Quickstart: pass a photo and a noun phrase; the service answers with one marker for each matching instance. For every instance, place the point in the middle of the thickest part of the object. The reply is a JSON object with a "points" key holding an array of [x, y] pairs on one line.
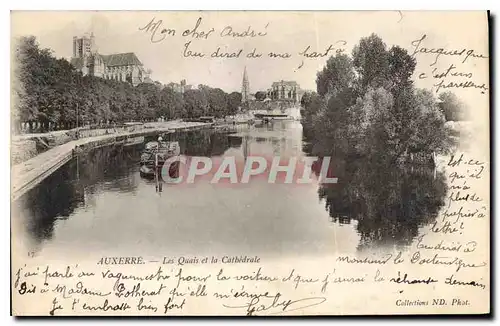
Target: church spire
{"points": [[245, 88]]}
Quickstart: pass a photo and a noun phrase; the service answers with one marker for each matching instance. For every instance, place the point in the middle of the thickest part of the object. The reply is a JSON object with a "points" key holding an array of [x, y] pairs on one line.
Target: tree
{"points": [[327, 111], [377, 126], [430, 133], [195, 103], [367, 106], [371, 62], [217, 102], [331, 124], [401, 68], [233, 102], [172, 104], [336, 76], [39, 83], [310, 104]]}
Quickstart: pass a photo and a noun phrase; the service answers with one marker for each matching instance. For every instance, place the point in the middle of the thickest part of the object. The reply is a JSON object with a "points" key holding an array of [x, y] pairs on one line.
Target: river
{"points": [[99, 203]]}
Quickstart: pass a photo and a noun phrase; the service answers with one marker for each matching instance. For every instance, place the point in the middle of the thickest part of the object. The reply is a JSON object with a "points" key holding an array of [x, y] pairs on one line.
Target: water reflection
{"points": [[81, 181], [75, 185], [389, 203], [205, 143], [108, 168], [202, 143]]}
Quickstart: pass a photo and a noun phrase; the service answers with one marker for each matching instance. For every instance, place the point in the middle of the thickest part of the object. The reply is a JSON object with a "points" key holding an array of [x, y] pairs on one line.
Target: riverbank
{"points": [[26, 175]]}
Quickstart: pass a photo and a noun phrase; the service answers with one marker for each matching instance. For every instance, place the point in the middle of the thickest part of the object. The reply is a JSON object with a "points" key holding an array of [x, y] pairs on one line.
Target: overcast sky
{"points": [[290, 32]]}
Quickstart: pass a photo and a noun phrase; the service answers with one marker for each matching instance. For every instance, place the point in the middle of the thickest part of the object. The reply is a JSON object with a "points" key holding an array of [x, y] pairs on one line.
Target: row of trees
{"points": [[51, 93], [366, 105]]}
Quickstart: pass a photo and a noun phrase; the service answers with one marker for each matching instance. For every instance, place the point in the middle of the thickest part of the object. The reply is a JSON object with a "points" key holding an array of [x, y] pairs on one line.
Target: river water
{"points": [[98, 203]]}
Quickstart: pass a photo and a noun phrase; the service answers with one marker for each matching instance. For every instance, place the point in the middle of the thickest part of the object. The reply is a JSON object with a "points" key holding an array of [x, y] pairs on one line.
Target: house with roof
{"points": [[119, 66]]}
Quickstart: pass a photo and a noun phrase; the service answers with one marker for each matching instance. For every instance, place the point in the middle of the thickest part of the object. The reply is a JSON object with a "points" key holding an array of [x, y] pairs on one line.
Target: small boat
{"points": [[266, 118], [154, 156]]}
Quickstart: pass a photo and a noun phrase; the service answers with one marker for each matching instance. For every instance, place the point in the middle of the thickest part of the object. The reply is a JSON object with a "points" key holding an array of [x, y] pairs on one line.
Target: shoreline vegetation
{"points": [[367, 108]]}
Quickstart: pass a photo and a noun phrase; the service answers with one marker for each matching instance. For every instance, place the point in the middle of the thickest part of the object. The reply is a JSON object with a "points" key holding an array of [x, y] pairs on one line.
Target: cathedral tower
{"points": [[83, 46]]}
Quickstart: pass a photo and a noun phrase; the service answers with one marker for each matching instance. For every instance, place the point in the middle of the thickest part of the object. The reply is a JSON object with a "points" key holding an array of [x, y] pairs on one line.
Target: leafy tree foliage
{"points": [[371, 62], [234, 101], [336, 76], [51, 94], [451, 106], [366, 105]]}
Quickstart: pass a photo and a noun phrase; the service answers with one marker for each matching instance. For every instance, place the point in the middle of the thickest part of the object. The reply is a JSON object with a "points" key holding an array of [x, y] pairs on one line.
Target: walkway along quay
{"points": [[26, 175]]}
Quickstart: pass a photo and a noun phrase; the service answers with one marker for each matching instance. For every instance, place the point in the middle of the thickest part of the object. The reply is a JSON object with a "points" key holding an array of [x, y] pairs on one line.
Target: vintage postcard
{"points": [[250, 163]]}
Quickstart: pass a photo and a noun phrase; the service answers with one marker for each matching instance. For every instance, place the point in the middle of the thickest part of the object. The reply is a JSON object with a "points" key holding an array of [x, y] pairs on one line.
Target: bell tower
{"points": [[83, 46]]}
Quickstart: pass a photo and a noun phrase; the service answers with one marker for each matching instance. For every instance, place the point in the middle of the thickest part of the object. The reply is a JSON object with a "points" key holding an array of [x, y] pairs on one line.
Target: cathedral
{"points": [[120, 66]]}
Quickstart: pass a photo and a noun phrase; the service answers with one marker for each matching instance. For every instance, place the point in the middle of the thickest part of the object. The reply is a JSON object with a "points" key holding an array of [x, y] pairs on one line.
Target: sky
{"points": [[286, 32]]}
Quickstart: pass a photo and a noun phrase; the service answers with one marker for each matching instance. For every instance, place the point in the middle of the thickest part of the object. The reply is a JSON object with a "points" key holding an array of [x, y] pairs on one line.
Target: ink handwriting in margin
{"points": [[263, 303]]}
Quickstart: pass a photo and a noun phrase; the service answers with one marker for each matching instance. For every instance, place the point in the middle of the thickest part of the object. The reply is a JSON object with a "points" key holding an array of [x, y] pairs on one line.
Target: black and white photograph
{"points": [[249, 163]]}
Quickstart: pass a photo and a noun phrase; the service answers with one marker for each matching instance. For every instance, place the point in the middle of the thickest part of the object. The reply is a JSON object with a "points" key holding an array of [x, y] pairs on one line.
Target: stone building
{"points": [[285, 91], [119, 66]]}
